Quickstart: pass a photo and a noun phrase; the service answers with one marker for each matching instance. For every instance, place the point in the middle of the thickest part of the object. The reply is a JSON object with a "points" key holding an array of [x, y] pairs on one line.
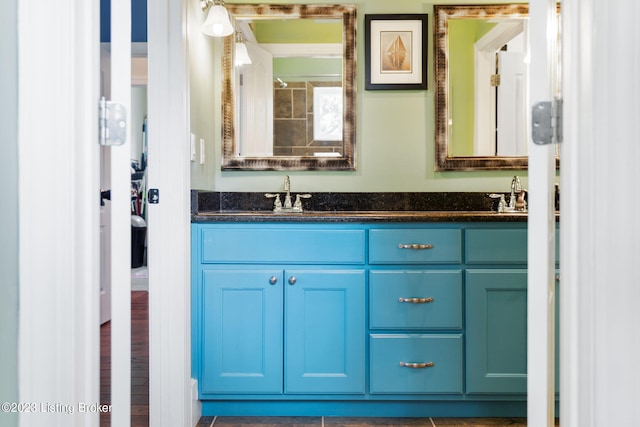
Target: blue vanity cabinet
{"points": [[496, 310], [360, 318], [415, 311], [278, 309]]}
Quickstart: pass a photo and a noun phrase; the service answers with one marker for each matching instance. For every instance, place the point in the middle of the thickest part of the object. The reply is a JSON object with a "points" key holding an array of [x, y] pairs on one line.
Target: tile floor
{"points": [[359, 422]]}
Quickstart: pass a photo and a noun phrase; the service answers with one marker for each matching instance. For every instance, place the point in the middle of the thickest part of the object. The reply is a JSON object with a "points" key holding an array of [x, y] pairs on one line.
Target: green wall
{"points": [[395, 129], [297, 31], [305, 69], [9, 196]]}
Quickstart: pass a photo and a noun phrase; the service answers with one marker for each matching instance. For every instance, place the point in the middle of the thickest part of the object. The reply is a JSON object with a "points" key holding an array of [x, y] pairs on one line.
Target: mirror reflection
{"points": [[289, 88], [481, 87]]}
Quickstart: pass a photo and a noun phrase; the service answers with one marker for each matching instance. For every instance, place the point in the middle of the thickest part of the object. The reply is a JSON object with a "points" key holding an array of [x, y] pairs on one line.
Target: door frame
{"points": [[599, 248], [541, 224], [58, 344], [172, 395]]}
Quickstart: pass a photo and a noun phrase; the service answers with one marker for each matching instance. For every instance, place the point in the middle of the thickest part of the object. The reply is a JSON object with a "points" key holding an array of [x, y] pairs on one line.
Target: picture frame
{"points": [[396, 51]]}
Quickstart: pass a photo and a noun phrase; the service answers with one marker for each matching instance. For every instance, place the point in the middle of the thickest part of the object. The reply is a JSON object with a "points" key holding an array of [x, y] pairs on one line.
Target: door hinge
{"points": [[546, 122], [495, 80], [112, 123]]}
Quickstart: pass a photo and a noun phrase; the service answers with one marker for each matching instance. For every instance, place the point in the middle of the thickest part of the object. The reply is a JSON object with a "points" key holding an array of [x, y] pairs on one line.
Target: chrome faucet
{"points": [[517, 200], [287, 191], [288, 205], [516, 186]]}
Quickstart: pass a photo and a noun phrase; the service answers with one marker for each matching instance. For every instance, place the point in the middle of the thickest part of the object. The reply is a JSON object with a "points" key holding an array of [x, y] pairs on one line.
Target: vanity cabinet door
{"points": [[496, 313], [496, 330], [242, 331], [325, 331]]}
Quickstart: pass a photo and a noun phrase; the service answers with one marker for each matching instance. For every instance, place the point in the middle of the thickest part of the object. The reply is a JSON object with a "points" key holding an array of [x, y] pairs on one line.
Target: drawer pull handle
{"points": [[273, 280], [417, 365], [417, 246], [416, 300], [292, 280]]}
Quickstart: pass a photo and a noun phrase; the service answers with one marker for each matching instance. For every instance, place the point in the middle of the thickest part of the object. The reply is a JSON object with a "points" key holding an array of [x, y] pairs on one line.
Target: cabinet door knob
{"points": [[273, 280], [416, 300], [292, 280], [416, 365]]}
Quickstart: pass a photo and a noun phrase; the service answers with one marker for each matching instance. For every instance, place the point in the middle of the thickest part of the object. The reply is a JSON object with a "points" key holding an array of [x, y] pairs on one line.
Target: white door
{"points": [[512, 135], [541, 223], [172, 395], [59, 252], [118, 231], [255, 103]]}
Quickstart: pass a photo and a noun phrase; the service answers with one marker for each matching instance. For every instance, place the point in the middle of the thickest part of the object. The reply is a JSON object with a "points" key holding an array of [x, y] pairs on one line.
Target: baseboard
{"points": [[196, 405]]}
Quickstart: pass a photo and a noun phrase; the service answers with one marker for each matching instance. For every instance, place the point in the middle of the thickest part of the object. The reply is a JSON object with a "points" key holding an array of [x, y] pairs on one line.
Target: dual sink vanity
{"points": [[366, 304]]}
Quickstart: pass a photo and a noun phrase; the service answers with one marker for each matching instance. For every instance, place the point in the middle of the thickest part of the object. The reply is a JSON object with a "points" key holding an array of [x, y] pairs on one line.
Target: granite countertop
{"points": [[359, 216], [209, 206]]}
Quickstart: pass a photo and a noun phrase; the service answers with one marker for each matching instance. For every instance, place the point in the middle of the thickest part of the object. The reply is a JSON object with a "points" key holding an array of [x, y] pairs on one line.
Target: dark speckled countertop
{"points": [[210, 206]]}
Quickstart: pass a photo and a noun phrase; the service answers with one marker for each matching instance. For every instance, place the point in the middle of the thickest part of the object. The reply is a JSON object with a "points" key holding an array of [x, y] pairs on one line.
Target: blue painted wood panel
{"points": [[384, 246], [496, 330], [499, 245], [390, 354], [325, 331], [388, 287], [261, 245], [485, 246], [241, 331]]}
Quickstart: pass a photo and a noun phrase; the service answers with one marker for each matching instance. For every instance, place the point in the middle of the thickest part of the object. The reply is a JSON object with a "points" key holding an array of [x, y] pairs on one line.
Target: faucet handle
{"points": [[298, 202], [502, 203], [277, 203], [521, 201]]}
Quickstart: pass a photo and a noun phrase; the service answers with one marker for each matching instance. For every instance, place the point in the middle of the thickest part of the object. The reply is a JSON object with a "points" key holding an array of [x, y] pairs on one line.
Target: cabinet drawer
{"points": [[415, 246], [415, 299], [437, 359], [496, 246], [283, 245]]}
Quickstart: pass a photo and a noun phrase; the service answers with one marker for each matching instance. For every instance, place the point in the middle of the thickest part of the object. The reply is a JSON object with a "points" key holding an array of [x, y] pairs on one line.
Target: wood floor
{"points": [[139, 362], [140, 390]]}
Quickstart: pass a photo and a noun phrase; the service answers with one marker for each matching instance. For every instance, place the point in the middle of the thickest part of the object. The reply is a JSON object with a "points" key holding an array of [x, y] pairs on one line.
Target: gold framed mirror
{"points": [[277, 114], [481, 102]]}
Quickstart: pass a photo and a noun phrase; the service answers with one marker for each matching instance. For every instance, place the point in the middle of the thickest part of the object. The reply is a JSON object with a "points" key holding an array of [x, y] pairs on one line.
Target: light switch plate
{"points": [[193, 147]]}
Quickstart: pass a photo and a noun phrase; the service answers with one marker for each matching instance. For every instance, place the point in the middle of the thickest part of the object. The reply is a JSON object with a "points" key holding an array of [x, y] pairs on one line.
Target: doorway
{"points": [[139, 270]]}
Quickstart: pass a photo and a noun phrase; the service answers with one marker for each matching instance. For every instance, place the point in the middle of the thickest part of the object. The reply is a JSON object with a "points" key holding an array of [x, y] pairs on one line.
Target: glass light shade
{"points": [[242, 55], [217, 23]]}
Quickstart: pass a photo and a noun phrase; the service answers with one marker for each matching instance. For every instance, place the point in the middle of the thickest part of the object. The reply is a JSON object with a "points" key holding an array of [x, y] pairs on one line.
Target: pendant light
{"points": [[242, 55], [218, 23]]}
